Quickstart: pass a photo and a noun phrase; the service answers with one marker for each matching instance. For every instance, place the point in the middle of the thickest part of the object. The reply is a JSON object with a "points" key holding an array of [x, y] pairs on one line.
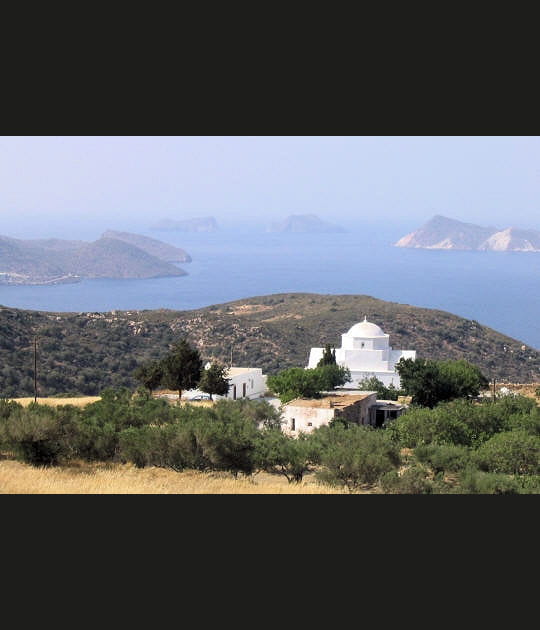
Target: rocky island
{"points": [[443, 233], [197, 224], [303, 223]]}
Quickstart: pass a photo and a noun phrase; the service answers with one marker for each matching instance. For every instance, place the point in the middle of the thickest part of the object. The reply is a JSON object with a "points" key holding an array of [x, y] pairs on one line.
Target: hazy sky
{"points": [[118, 182]]}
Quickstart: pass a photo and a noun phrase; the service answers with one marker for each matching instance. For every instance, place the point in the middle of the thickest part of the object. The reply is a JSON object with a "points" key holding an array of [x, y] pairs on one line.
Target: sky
{"points": [[66, 186]]}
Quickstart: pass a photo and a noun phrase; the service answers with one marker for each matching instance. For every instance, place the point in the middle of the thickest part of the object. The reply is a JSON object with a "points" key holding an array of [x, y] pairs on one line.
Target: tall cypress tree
{"points": [[328, 357]]}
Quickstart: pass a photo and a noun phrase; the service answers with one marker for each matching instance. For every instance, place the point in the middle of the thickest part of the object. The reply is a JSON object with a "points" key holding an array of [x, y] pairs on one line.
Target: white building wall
{"points": [[315, 355], [254, 381], [306, 418]]}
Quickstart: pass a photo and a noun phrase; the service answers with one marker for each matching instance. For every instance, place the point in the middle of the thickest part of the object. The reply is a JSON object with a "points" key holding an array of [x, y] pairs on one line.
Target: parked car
{"points": [[200, 397]]}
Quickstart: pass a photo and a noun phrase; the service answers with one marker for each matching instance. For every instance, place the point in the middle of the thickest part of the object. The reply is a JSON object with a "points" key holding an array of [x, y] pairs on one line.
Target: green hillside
{"points": [[83, 353]]}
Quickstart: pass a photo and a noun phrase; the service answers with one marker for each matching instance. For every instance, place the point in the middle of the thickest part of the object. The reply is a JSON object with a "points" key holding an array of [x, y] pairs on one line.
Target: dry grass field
{"points": [[84, 478], [79, 401]]}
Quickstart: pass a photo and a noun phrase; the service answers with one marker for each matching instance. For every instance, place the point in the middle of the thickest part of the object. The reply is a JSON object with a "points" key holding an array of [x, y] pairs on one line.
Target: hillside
{"points": [[159, 249], [83, 353], [302, 223], [111, 258], [444, 233], [197, 224], [51, 261]]}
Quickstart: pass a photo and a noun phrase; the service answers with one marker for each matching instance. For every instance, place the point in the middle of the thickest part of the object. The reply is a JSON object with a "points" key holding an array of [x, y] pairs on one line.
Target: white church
{"points": [[365, 350]]}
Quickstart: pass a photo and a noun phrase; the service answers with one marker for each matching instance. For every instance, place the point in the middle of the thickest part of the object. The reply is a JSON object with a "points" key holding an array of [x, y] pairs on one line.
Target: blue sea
{"points": [[498, 289]]}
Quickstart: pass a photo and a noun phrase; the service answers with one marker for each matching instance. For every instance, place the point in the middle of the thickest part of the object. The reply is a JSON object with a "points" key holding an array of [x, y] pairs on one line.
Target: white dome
{"points": [[365, 329]]}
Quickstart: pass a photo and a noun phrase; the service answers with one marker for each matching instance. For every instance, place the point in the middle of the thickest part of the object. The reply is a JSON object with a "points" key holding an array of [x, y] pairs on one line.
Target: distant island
{"points": [[57, 261], [152, 246], [443, 233], [303, 223], [197, 224]]}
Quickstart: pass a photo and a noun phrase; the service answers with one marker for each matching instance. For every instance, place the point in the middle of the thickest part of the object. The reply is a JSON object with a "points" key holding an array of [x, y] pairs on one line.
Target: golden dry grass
{"points": [[79, 401], [83, 478]]}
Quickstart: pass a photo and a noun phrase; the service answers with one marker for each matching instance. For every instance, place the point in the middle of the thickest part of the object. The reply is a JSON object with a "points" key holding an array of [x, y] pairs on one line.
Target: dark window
{"points": [[293, 424]]}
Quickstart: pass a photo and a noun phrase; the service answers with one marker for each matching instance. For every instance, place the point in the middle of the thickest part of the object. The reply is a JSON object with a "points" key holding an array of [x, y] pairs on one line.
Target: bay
{"points": [[497, 289]]}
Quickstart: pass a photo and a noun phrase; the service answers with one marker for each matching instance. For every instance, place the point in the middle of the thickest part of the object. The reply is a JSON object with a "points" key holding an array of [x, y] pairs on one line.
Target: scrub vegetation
{"points": [[458, 446]]}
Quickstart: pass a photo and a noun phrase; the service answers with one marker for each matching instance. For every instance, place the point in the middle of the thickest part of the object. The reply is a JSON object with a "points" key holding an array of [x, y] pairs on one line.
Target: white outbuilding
{"points": [[365, 350], [244, 382]]}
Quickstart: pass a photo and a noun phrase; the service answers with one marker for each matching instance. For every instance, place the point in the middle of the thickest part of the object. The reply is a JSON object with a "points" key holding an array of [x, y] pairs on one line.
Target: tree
{"points": [[182, 367], [430, 382], [213, 380], [149, 374], [297, 382], [375, 385], [331, 376], [328, 357]]}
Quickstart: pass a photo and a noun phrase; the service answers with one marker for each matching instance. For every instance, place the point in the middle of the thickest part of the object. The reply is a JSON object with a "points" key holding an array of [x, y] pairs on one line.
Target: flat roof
{"points": [[235, 371], [328, 402]]}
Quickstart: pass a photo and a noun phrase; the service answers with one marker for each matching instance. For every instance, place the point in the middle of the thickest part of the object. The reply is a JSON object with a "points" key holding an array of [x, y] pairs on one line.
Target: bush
{"points": [[443, 458], [478, 482], [355, 455], [383, 392], [228, 438], [40, 435], [7, 407], [512, 452], [141, 445], [419, 426], [101, 423], [285, 455], [413, 480]]}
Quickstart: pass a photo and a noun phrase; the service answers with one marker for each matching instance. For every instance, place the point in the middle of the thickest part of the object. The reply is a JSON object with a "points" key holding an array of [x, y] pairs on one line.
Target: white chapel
{"points": [[365, 350]]}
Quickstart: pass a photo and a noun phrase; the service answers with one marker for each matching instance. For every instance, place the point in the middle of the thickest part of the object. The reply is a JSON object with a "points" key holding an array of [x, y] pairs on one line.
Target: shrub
{"points": [[443, 458], [141, 445], [285, 455], [513, 452], [478, 482], [383, 392], [355, 455], [101, 423], [420, 426], [7, 407], [40, 435], [228, 439], [413, 480]]}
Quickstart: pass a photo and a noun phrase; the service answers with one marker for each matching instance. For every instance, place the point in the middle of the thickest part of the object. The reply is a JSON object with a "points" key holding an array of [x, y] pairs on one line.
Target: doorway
{"points": [[380, 417]]}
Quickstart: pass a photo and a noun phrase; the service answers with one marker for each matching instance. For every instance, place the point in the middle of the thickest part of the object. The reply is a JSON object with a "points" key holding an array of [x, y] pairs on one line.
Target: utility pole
{"points": [[35, 368], [493, 389], [231, 355]]}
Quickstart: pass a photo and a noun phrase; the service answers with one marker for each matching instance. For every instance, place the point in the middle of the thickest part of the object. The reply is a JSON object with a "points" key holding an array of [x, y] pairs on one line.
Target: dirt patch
{"points": [[246, 309], [286, 316]]}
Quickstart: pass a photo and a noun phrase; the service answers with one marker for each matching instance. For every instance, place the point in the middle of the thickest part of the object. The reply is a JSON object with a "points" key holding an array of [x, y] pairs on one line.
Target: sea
{"points": [[497, 289]]}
